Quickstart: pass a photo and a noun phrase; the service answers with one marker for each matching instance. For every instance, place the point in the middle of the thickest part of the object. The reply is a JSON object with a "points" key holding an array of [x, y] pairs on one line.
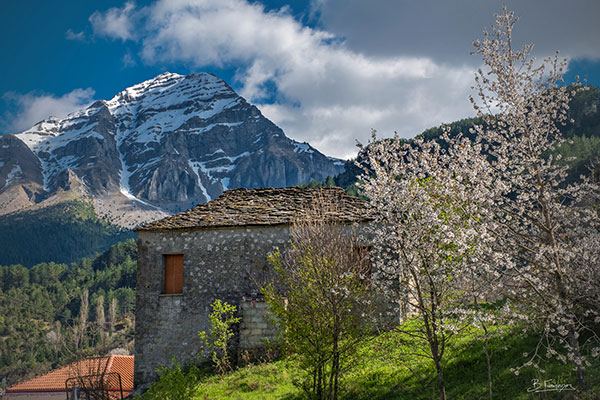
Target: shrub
{"points": [[221, 319], [174, 383]]}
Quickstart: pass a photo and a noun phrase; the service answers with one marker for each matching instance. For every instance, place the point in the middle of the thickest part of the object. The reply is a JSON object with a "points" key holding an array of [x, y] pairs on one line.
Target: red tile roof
{"points": [[54, 381]]}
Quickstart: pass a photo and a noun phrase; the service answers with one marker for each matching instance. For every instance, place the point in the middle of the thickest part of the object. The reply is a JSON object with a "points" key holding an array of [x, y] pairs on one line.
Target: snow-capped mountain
{"points": [[158, 147]]}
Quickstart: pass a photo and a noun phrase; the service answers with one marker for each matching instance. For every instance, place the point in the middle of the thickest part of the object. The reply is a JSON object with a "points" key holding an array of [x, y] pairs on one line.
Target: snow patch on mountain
{"points": [[39, 132], [302, 148], [196, 167], [337, 161], [220, 164], [14, 174]]}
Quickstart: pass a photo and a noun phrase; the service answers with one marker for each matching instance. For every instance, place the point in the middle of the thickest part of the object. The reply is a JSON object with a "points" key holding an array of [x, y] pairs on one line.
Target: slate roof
{"points": [[54, 381], [248, 207]]}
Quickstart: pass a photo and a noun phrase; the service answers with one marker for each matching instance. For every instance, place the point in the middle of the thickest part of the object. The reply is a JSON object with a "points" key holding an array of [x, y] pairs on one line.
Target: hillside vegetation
{"points": [[63, 233], [387, 368], [43, 324]]}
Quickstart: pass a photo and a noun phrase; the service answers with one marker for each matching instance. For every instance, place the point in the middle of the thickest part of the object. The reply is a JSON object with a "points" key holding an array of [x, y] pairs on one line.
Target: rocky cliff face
{"points": [[21, 180], [163, 145]]}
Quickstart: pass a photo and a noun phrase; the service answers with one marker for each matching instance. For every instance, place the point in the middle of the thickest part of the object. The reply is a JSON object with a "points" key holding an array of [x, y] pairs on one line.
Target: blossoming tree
{"points": [[548, 230], [428, 235], [453, 213]]}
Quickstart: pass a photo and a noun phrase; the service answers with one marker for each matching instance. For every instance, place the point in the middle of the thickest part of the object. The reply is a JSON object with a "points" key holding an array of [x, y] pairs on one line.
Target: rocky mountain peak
{"points": [[167, 144]]}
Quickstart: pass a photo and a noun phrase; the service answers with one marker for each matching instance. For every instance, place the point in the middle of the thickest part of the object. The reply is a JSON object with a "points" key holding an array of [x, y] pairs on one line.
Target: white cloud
{"points": [[71, 35], [326, 93], [128, 60], [115, 23], [31, 108]]}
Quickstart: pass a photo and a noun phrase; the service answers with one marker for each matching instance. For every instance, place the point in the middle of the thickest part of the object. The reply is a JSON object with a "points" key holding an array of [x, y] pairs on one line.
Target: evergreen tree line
{"points": [[55, 313], [64, 233]]}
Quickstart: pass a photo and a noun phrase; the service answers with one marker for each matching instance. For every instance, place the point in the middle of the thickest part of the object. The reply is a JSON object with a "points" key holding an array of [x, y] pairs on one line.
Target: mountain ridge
{"points": [[156, 148]]}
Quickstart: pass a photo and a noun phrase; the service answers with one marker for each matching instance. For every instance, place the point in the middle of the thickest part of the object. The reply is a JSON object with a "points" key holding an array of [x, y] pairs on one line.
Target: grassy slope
{"points": [[382, 373], [64, 232]]}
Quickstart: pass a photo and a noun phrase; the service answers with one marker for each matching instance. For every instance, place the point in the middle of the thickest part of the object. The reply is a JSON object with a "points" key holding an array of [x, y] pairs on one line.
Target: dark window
{"points": [[173, 274]]}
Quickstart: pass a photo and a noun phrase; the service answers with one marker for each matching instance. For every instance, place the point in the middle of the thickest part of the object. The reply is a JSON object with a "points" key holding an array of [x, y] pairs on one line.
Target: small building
{"points": [[216, 250], [112, 375]]}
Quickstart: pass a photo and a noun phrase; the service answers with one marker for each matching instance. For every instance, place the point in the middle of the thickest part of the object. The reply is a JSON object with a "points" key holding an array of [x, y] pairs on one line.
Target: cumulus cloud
{"points": [[325, 92], [115, 23], [30, 108]]}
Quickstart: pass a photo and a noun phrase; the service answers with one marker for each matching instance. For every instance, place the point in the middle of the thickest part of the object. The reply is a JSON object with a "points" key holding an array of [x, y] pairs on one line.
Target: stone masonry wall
{"points": [[255, 328], [223, 264]]}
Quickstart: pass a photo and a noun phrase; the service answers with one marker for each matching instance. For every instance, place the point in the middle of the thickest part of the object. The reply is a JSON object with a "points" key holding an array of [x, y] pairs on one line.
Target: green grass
{"points": [[382, 370], [273, 380]]}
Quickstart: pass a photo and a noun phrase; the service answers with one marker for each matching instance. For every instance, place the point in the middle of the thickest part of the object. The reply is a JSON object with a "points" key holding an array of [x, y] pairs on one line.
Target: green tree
{"points": [[320, 297]]}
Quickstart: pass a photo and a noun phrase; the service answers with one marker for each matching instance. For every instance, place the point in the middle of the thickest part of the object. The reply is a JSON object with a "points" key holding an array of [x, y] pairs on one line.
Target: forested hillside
{"points": [[53, 313], [64, 232], [582, 132]]}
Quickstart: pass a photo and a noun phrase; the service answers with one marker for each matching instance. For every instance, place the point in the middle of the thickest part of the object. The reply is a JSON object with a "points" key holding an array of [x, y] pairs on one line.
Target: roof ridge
{"points": [[109, 363], [263, 206]]}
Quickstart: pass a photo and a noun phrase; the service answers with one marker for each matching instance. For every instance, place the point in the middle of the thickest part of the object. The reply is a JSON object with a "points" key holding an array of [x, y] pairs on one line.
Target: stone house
{"points": [[216, 250]]}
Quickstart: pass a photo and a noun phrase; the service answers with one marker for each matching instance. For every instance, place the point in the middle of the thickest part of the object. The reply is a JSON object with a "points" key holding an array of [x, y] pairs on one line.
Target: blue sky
{"points": [[326, 71]]}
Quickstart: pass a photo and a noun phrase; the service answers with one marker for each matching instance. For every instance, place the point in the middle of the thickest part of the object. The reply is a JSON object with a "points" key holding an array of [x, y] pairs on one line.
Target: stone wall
{"points": [[256, 328], [223, 264]]}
